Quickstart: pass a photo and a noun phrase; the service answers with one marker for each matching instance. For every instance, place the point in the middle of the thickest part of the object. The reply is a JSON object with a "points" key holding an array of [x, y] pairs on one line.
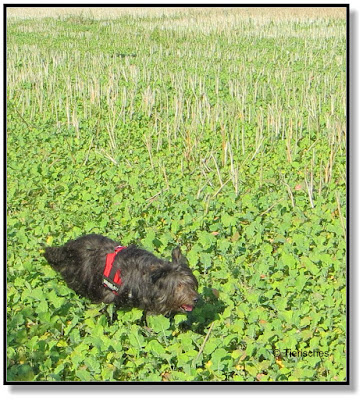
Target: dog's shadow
{"points": [[208, 309]]}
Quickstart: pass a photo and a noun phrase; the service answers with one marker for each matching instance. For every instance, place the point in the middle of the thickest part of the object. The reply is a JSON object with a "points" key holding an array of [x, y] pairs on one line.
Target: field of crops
{"points": [[221, 130]]}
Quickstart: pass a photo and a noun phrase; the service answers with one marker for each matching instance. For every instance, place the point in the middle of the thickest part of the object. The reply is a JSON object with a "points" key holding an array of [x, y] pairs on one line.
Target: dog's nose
{"points": [[196, 299]]}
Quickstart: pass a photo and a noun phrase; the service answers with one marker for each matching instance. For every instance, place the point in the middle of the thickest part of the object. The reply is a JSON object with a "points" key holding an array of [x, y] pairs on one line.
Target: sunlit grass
{"points": [[224, 84]]}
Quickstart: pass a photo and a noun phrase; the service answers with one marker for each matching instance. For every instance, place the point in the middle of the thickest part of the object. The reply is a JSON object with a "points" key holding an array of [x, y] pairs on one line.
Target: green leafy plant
{"points": [[227, 139]]}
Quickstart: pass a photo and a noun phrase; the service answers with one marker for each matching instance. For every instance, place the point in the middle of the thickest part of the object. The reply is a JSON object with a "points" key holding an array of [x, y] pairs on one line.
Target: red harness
{"points": [[111, 274]]}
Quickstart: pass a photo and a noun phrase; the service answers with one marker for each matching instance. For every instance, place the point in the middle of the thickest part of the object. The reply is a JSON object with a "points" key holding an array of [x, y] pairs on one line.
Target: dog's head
{"points": [[176, 286]]}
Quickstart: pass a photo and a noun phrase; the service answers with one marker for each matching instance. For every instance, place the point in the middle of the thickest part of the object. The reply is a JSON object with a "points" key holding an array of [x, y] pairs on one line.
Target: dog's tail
{"points": [[56, 256]]}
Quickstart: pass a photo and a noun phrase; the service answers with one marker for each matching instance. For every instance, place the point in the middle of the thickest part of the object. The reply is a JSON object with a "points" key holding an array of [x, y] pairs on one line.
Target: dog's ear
{"points": [[178, 257], [159, 273]]}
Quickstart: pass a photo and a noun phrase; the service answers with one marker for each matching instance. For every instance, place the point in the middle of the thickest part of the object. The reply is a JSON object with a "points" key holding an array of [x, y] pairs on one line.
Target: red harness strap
{"points": [[111, 274]]}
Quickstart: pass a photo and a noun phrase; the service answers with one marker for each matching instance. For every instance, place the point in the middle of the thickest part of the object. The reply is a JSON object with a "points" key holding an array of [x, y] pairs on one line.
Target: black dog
{"points": [[100, 269]]}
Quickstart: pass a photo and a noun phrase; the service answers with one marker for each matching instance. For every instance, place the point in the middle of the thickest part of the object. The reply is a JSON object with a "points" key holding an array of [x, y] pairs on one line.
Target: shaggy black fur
{"points": [[154, 285]]}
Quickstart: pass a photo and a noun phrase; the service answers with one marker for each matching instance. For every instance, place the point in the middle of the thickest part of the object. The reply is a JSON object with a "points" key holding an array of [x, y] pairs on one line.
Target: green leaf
{"points": [[300, 282], [132, 315], [228, 220], [137, 340], [211, 346], [55, 300], [252, 370], [155, 347], [83, 375], [158, 323], [206, 239], [288, 260]]}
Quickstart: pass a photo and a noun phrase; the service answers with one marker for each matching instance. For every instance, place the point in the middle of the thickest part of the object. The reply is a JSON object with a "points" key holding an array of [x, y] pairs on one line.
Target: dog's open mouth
{"points": [[186, 307]]}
